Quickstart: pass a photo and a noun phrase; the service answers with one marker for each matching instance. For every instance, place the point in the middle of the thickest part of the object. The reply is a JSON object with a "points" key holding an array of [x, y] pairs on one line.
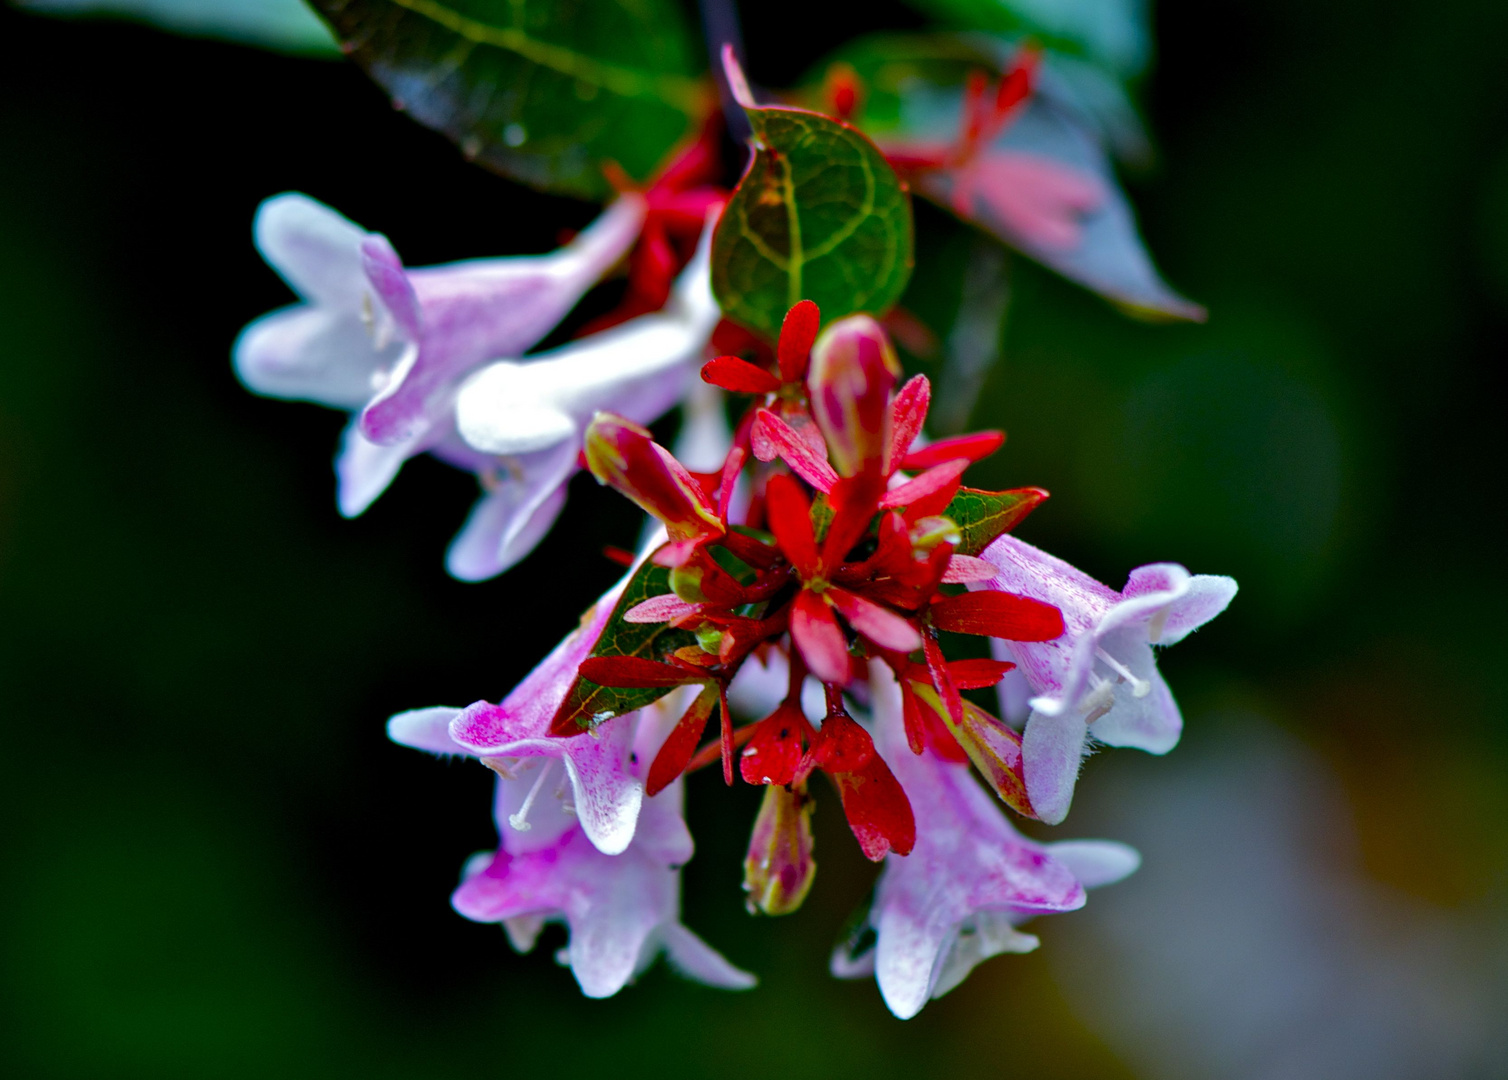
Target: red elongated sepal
{"points": [[853, 370], [908, 412], [938, 483], [739, 376], [998, 614], [874, 802], [797, 332], [680, 745], [789, 516], [625, 456], [972, 447], [818, 637], [978, 674], [779, 868], [771, 432], [875, 621], [634, 672]]}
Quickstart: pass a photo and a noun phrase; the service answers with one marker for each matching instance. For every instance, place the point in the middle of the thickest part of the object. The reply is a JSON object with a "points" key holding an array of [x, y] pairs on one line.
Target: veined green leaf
{"points": [[819, 216], [981, 516], [587, 704], [544, 91]]}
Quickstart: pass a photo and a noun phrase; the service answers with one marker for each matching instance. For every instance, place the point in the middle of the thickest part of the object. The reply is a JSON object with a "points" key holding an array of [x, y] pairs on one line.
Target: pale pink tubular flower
{"points": [[622, 910], [1099, 680], [607, 794], [971, 879]]}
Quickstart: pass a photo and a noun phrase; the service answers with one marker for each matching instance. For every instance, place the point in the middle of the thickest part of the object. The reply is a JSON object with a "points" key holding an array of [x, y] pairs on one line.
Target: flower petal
{"points": [[315, 250], [306, 353], [695, 959], [1096, 862], [426, 729], [1052, 750], [363, 470]]}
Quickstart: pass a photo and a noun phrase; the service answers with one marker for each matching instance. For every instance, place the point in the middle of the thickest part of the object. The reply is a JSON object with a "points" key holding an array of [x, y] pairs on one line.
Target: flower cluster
{"points": [[821, 575], [433, 360]]}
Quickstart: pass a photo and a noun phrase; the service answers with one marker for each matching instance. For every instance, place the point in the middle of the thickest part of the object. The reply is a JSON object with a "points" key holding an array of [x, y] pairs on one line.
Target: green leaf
{"points": [[819, 215], [543, 92], [981, 516], [587, 704]]}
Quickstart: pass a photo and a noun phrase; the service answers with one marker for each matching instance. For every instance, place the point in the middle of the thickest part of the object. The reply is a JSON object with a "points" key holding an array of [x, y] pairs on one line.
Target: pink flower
{"points": [[1099, 680], [607, 794], [392, 344], [968, 883], [621, 909]]}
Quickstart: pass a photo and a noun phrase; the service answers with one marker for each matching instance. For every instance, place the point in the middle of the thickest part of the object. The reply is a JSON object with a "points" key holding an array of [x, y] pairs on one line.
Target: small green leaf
{"points": [[819, 216], [981, 516], [587, 704], [546, 93]]}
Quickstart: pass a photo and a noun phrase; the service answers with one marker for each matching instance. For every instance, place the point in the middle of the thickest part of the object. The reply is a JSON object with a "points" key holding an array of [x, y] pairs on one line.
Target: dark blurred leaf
{"points": [[1111, 33], [546, 93], [283, 25], [819, 216], [981, 516], [1044, 185], [587, 704]]}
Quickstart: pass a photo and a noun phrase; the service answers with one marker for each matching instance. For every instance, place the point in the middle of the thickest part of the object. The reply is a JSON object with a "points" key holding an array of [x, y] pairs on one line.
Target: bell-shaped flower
{"points": [[622, 910], [968, 883], [528, 417], [1099, 679], [391, 344], [607, 793]]}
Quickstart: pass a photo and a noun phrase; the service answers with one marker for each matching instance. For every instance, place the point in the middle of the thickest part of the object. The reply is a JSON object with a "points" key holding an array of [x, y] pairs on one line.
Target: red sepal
{"points": [[874, 802], [771, 431], [797, 333], [739, 376], [978, 674], [816, 633], [679, 746], [634, 673], [974, 446], [940, 481], [774, 753], [908, 412], [998, 614], [789, 516]]}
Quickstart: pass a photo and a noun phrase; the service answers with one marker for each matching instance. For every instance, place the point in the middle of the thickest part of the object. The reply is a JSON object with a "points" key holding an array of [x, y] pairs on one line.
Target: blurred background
{"points": [[214, 863]]}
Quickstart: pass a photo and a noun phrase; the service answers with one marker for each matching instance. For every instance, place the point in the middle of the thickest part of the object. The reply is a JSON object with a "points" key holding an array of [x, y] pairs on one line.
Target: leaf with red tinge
{"points": [[794, 450], [739, 376], [981, 516], [817, 635], [974, 447], [874, 802], [994, 748], [680, 744], [998, 614]]}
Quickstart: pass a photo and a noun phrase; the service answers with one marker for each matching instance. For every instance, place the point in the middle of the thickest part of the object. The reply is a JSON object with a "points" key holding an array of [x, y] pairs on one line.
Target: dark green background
{"points": [[214, 863]]}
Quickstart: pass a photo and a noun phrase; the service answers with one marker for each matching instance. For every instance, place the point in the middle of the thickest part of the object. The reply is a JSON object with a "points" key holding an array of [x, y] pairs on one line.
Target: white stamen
{"points": [[520, 820], [1099, 700], [1139, 687]]}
